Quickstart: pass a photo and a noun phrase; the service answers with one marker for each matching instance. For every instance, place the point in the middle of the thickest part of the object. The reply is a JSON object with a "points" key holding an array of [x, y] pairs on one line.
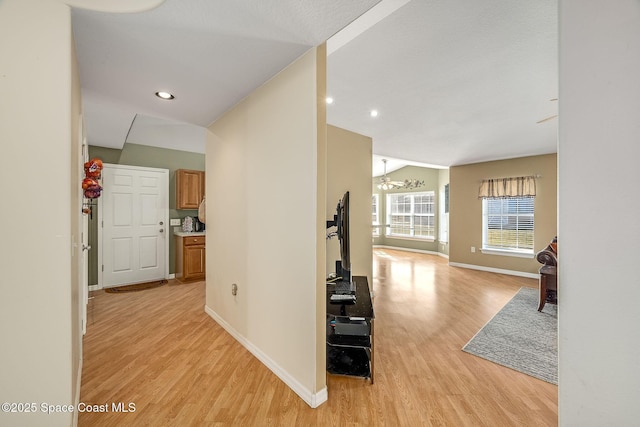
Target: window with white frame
{"points": [[375, 217], [508, 224], [411, 215]]}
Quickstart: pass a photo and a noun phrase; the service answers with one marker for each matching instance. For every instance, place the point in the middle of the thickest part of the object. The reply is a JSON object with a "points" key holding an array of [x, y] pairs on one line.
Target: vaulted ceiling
{"points": [[453, 82]]}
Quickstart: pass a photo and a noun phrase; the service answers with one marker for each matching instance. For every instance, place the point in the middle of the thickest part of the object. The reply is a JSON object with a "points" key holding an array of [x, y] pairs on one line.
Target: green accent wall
{"points": [[152, 157], [107, 155]]}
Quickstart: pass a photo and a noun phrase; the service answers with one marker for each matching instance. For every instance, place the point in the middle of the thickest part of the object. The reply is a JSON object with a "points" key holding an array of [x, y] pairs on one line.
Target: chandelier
{"points": [[387, 184]]}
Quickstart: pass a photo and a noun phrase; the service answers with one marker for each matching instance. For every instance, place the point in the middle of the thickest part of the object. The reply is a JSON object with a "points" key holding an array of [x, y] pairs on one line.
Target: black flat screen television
{"points": [[342, 223]]}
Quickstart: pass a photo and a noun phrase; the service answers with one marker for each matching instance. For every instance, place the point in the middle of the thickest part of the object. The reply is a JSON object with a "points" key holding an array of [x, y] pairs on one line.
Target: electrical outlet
{"points": [[473, 249], [174, 221]]}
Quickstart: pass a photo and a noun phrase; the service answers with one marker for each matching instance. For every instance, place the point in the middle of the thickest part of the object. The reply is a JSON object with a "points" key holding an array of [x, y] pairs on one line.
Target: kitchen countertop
{"points": [[189, 233]]}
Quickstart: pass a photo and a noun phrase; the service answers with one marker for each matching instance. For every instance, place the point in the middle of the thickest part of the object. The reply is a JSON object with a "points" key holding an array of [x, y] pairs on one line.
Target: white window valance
{"points": [[499, 188]]}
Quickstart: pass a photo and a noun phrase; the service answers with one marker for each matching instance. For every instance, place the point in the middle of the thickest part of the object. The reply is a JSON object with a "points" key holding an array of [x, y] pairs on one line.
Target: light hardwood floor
{"points": [[158, 349]]}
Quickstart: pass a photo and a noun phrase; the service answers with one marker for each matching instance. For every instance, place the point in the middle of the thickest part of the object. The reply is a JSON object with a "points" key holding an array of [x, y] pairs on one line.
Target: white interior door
{"points": [[135, 216], [84, 282]]}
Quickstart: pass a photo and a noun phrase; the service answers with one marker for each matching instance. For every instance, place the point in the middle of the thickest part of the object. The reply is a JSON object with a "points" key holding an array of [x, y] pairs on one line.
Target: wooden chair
{"points": [[548, 257]]}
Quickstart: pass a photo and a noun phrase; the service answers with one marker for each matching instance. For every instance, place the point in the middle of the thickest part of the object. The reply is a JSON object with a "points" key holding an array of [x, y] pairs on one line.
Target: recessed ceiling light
{"points": [[164, 95], [329, 100], [374, 113]]}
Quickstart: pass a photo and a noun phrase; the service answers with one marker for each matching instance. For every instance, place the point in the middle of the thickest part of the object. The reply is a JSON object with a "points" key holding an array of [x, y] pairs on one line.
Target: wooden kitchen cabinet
{"points": [[189, 188], [190, 258]]}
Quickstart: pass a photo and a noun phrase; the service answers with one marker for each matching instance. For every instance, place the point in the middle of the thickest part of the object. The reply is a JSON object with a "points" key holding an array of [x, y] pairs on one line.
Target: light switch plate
{"points": [[174, 221]]}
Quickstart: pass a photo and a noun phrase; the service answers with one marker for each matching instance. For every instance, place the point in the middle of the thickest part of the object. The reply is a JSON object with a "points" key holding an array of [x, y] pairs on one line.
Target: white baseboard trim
{"points": [[420, 251], [312, 399], [320, 397], [495, 270]]}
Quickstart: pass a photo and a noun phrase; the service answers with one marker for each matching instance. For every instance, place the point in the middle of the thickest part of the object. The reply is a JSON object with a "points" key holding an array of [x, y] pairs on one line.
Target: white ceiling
{"points": [[454, 82]]}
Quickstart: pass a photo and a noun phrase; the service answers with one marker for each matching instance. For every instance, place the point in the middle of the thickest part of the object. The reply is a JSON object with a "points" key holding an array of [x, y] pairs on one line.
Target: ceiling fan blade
{"points": [[547, 119]]}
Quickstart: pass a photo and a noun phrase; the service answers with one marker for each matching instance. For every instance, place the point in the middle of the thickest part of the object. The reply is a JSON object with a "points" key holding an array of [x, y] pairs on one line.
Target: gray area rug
{"points": [[521, 338]]}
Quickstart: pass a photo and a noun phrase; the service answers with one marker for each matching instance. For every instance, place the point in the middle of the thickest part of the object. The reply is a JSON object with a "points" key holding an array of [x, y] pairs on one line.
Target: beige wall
{"points": [[263, 163], [39, 106], [466, 210], [321, 250], [349, 169]]}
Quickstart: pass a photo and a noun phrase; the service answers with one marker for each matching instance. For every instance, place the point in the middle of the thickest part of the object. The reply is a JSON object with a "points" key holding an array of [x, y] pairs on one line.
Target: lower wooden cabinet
{"points": [[190, 258]]}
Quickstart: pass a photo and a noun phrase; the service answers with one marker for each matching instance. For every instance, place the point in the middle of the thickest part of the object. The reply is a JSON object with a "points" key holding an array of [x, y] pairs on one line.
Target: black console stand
{"points": [[350, 333]]}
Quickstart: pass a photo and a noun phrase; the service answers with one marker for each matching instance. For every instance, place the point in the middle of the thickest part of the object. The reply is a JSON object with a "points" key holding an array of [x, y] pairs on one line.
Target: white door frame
{"points": [[100, 224], [84, 243]]}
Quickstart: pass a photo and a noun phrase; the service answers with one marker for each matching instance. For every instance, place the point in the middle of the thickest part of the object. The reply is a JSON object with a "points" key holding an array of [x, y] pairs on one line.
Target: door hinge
{"points": [[103, 268], [102, 224]]}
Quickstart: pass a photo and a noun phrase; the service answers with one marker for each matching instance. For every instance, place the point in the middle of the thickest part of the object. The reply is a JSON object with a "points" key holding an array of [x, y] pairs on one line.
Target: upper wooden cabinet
{"points": [[189, 188]]}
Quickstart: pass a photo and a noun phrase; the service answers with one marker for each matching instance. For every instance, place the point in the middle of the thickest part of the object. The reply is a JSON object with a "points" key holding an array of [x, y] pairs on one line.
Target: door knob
{"points": [[161, 230], [161, 223], [86, 247]]}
